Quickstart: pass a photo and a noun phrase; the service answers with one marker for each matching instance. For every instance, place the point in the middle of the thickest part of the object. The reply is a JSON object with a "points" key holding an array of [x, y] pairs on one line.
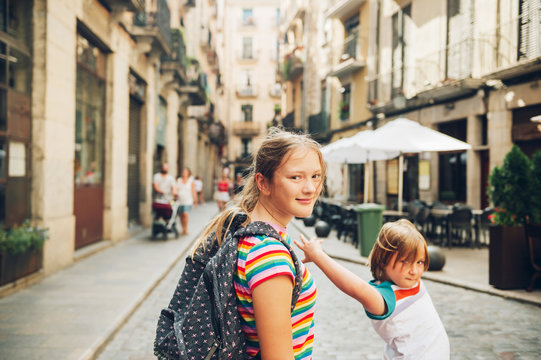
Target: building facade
{"points": [[251, 95], [95, 96], [467, 68]]}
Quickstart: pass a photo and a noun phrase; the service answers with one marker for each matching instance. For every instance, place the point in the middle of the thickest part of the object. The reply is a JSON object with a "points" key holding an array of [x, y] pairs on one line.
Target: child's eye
{"points": [[295, 177], [316, 176]]}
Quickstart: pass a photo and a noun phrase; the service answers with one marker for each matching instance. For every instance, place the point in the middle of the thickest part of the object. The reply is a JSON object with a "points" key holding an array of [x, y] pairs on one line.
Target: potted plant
{"points": [[511, 186], [20, 251]]}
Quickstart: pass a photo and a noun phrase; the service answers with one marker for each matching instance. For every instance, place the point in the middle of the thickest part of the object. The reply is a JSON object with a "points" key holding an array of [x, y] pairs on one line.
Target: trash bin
{"points": [[369, 221]]}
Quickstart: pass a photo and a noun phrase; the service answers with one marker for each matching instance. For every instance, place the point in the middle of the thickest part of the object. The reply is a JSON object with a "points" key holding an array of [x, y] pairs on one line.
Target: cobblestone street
{"points": [[480, 326]]}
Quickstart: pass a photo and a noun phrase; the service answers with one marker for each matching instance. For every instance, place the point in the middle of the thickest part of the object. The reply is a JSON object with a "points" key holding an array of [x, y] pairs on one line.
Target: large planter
{"points": [[13, 267], [508, 262]]}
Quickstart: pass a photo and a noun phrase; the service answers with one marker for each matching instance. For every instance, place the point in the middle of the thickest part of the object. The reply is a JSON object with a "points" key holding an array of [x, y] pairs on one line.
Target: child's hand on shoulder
{"points": [[311, 248]]}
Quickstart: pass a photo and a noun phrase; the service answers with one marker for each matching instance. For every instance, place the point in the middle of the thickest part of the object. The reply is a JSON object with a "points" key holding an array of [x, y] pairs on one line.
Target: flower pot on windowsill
{"points": [[508, 263], [16, 266]]}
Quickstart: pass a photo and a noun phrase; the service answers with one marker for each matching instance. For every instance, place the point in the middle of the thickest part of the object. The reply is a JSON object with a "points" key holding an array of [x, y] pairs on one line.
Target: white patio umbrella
{"points": [[351, 150], [407, 136]]}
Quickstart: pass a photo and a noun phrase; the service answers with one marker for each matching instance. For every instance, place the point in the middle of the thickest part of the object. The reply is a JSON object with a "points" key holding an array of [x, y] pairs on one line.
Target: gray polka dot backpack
{"points": [[202, 321]]}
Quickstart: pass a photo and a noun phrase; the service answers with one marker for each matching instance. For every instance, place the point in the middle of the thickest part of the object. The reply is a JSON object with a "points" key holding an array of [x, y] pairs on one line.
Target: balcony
{"points": [[176, 61], [196, 86], [124, 5], [246, 129], [344, 9], [153, 27], [288, 122], [295, 11], [247, 55], [246, 90], [318, 125], [351, 60]]}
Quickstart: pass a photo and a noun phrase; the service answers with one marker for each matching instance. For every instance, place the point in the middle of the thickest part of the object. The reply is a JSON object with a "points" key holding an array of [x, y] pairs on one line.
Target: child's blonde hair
{"points": [[400, 237], [273, 150]]}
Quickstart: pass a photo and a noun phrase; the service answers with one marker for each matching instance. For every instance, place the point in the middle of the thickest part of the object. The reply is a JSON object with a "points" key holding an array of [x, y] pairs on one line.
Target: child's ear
{"points": [[262, 184]]}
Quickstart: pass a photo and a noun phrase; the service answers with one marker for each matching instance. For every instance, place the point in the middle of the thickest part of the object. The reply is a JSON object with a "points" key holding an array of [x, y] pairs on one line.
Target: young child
{"points": [[396, 300]]}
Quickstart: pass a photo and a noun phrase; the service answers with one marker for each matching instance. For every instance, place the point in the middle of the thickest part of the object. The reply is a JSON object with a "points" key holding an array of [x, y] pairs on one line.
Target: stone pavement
{"points": [[74, 312], [106, 306], [479, 325], [464, 267]]}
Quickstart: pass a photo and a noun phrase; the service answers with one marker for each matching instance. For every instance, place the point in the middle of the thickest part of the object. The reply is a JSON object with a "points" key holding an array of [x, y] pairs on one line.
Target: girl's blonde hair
{"points": [[400, 237], [271, 154]]}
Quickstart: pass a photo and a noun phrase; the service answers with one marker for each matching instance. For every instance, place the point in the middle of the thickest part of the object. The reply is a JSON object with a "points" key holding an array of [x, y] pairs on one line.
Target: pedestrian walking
{"points": [[396, 300], [164, 184], [199, 189], [285, 180], [186, 197], [222, 191]]}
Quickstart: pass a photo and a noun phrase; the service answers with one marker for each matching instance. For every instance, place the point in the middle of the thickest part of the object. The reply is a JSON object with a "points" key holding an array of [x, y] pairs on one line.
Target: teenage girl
{"points": [[396, 300], [285, 180]]}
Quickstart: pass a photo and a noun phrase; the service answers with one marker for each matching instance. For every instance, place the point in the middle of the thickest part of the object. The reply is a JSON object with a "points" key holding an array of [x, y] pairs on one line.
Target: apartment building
{"points": [[251, 92], [468, 68], [96, 95]]}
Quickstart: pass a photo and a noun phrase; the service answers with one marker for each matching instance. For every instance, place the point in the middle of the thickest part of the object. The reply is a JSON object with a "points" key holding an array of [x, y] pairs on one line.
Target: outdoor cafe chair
{"points": [[422, 219], [533, 234], [348, 228], [460, 225], [437, 231]]}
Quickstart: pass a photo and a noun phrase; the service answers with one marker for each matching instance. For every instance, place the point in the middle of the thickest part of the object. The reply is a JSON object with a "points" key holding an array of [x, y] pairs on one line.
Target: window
{"points": [[398, 58], [15, 110], [89, 113], [246, 147], [247, 111], [247, 79], [14, 15], [277, 18], [529, 43], [247, 48], [459, 49], [345, 103], [247, 16], [452, 166]]}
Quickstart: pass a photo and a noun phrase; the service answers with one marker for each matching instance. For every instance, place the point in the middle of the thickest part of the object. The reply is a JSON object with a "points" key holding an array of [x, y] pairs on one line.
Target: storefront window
{"points": [[14, 19], [3, 58], [89, 114], [20, 71]]}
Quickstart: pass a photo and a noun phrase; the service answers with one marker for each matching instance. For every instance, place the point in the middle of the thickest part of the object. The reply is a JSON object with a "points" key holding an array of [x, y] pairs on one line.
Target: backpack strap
{"points": [[258, 228]]}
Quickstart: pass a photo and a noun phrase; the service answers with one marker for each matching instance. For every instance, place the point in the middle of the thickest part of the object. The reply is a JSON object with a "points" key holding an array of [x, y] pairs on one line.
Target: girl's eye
{"points": [[316, 176], [296, 177], [420, 262]]}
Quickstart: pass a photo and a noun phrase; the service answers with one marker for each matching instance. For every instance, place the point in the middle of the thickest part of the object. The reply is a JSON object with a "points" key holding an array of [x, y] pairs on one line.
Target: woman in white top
{"points": [[186, 196]]}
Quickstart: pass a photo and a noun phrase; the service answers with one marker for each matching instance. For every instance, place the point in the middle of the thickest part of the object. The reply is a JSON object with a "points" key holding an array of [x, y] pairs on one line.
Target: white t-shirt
{"points": [[184, 191], [412, 328], [165, 184], [198, 185]]}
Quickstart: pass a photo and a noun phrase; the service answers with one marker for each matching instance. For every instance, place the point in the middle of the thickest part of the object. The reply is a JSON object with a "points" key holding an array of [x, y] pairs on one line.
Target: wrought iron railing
{"points": [[158, 16], [178, 49], [318, 123], [351, 45]]}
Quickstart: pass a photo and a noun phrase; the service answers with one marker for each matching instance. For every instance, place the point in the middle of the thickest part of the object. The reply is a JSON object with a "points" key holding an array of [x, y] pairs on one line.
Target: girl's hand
{"points": [[311, 248]]}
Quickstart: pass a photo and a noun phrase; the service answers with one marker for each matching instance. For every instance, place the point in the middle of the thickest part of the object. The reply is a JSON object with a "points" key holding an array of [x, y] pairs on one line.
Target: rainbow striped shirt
{"points": [[261, 258]]}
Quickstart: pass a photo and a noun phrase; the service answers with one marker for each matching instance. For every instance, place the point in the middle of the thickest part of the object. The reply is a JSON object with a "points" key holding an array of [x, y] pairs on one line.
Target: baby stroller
{"points": [[164, 215]]}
